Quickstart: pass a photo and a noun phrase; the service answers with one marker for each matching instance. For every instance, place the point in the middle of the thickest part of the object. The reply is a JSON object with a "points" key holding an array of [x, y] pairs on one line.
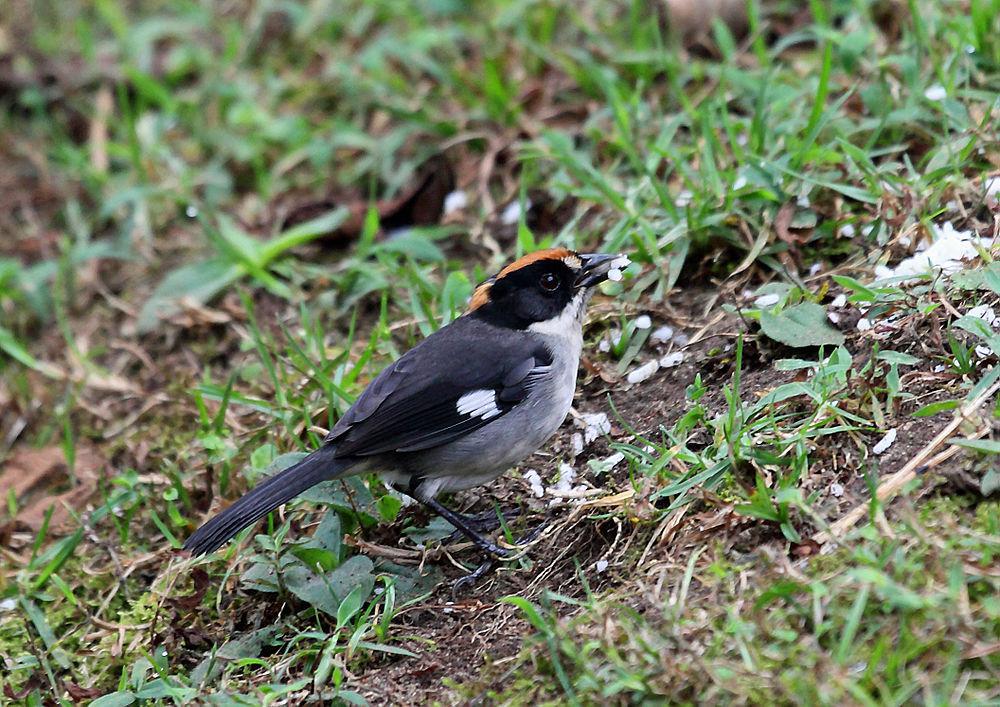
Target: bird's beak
{"points": [[596, 267]]}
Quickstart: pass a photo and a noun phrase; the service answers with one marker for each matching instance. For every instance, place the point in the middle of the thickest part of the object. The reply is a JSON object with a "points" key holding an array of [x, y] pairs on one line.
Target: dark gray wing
{"points": [[455, 381]]}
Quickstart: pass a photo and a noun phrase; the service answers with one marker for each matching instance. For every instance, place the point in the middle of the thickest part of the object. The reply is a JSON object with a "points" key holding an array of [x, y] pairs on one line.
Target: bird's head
{"points": [[543, 291]]}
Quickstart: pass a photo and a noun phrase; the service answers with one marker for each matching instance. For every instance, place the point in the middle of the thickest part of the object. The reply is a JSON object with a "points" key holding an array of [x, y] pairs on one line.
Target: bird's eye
{"points": [[549, 282]]}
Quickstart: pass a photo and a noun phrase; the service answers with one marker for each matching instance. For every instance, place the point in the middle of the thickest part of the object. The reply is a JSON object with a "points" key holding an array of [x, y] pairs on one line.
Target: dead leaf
{"points": [[189, 602], [421, 204], [782, 223], [692, 18], [807, 548], [79, 693], [39, 479]]}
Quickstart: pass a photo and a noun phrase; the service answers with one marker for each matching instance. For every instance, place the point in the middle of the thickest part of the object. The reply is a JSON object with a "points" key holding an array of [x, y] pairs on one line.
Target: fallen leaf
{"points": [[80, 694], [189, 602], [801, 325], [807, 548], [39, 479], [782, 222], [694, 17], [421, 204]]}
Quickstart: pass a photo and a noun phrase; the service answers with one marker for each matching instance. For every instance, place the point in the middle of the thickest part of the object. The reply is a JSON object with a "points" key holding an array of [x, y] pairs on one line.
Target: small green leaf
{"points": [[437, 529], [120, 698], [315, 557], [199, 282], [529, 610], [990, 482], [352, 604], [13, 348], [300, 234], [802, 325], [263, 456], [979, 327], [862, 293], [989, 446], [935, 408], [987, 278], [345, 495], [388, 507], [327, 591], [899, 358]]}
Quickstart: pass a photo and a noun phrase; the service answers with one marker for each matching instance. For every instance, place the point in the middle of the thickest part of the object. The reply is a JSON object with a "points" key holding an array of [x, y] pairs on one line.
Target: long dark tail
{"points": [[264, 498]]}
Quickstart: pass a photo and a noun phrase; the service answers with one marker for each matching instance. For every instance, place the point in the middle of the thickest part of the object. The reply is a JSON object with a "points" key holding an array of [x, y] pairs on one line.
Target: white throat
{"points": [[569, 323]]}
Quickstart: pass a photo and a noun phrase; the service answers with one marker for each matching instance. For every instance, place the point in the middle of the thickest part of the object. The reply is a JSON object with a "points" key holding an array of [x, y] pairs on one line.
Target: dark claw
{"points": [[500, 553], [490, 563], [469, 580], [485, 522]]}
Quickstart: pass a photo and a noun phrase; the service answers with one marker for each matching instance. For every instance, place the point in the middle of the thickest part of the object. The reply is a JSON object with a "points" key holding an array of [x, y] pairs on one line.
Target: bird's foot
{"points": [[488, 565], [485, 522], [469, 580]]}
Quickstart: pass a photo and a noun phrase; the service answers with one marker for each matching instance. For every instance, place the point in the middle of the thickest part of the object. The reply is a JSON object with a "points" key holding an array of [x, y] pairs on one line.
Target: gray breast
{"points": [[491, 450]]}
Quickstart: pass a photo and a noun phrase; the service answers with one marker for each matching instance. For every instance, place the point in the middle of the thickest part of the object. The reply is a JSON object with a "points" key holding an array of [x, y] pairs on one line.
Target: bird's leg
{"points": [[487, 520], [489, 564], [461, 522]]}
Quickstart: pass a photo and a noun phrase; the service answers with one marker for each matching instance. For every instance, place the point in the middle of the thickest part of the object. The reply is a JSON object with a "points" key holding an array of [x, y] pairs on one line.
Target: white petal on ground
{"points": [[612, 461], [600, 566], [576, 444], [887, 441], [848, 230], [836, 490], [615, 275], [816, 268], [767, 300], [512, 213], [456, 201], [992, 187], [535, 482], [864, 324], [936, 92], [839, 301], [643, 372], [595, 424], [950, 247], [672, 360], [662, 335], [643, 322], [984, 312], [564, 484]]}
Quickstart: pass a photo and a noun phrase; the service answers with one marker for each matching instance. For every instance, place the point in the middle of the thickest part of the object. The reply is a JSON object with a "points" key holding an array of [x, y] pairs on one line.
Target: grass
{"points": [[886, 619], [209, 252]]}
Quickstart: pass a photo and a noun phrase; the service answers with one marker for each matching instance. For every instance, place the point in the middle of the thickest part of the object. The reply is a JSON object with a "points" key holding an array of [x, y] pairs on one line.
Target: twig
{"points": [[892, 485]]}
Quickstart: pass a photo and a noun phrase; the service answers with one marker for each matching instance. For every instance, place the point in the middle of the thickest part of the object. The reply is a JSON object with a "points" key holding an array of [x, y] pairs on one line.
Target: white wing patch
{"points": [[479, 403]]}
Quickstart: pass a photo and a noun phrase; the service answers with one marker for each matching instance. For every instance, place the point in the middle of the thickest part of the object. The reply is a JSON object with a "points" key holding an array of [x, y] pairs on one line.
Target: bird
{"points": [[462, 406]]}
